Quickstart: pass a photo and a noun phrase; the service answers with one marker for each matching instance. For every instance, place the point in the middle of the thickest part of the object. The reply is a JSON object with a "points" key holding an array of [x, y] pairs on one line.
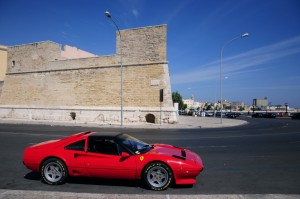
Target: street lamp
{"points": [[286, 108], [240, 36], [121, 63]]}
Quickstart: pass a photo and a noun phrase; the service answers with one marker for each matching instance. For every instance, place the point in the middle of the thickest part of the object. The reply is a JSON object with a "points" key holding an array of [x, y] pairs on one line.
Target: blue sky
{"points": [[265, 64]]}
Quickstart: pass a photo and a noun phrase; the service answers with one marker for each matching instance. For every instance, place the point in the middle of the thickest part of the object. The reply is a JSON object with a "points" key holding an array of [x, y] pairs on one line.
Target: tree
{"points": [[176, 97], [209, 107], [241, 108]]}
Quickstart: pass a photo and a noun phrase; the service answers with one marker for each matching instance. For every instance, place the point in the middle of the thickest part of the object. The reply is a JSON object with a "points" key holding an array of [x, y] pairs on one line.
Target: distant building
{"points": [[225, 103], [236, 106], [261, 103], [189, 102], [198, 104], [192, 104], [279, 108], [70, 52]]}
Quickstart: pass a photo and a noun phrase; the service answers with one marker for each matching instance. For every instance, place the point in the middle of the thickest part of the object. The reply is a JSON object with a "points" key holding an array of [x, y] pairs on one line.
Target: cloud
{"points": [[64, 34], [172, 14], [280, 87], [135, 13], [240, 62], [294, 77]]}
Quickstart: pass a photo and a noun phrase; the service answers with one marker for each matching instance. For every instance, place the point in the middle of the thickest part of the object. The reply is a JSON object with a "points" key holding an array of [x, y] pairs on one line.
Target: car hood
{"points": [[166, 149], [176, 152]]}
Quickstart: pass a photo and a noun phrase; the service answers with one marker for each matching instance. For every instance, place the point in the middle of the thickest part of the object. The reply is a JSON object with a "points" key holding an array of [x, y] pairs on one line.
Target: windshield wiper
{"points": [[146, 146]]}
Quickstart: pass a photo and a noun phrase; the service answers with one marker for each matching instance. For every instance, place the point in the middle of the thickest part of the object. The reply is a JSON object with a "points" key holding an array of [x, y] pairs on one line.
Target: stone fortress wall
{"points": [[3, 62], [3, 65], [43, 83]]}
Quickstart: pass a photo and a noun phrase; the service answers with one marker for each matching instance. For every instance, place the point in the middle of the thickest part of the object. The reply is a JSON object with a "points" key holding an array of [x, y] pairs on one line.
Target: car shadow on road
{"points": [[117, 182], [101, 181], [33, 176], [86, 180]]}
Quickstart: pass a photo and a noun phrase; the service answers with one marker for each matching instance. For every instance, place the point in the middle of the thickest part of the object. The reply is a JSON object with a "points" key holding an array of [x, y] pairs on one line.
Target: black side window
{"points": [[103, 145], [77, 146]]}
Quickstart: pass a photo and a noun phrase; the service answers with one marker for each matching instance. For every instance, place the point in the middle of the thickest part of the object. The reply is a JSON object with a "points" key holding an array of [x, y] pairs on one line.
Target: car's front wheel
{"points": [[157, 176], [54, 171]]}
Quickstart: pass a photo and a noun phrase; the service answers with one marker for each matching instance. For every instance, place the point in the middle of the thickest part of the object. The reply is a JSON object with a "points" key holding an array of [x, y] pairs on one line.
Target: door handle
{"points": [[76, 155]]}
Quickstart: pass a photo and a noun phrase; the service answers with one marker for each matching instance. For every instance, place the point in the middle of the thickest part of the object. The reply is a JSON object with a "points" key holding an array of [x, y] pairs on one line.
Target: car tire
{"points": [[157, 176], [54, 171]]}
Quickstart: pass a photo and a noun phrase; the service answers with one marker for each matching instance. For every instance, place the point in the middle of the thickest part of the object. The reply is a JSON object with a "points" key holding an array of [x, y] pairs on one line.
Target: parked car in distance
{"points": [[113, 155], [296, 116], [218, 114], [257, 115], [204, 113], [209, 114], [270, 115], [232, 115], [182, 112], [265, 115]]}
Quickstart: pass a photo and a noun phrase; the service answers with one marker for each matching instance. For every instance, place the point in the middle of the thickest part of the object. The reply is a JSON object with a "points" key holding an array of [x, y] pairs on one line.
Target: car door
{"points": [[104, 160], [75, 155]]}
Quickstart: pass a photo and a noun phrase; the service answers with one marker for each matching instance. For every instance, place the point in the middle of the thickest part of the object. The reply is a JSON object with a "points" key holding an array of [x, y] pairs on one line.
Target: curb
{"points": [[186, 123], [11, 194]]}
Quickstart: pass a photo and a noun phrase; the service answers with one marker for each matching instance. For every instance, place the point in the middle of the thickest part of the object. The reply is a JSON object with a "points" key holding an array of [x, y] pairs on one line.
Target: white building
{"points": [[192, 104], [189, 102]]}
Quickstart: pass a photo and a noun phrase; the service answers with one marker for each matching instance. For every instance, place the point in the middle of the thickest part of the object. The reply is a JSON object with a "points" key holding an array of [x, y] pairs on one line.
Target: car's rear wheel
{"points": [[54, 171], [157, 176]]}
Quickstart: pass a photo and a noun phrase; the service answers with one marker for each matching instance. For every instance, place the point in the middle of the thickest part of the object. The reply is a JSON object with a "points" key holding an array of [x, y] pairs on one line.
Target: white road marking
{"points": [[33, 134], [201, 147]]}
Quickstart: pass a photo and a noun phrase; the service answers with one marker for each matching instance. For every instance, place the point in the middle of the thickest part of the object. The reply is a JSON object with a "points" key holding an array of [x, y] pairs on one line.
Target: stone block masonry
{"points": [[143, 45], [40, 84]]}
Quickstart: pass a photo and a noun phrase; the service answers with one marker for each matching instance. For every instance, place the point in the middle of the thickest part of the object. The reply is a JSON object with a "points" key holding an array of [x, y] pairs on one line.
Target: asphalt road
{"points": [[259, 158]]}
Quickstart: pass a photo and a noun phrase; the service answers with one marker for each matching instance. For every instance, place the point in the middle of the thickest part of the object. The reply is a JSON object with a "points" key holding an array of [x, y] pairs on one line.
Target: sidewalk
{"points": [[207, 122], [13, 194], [184, 122]]}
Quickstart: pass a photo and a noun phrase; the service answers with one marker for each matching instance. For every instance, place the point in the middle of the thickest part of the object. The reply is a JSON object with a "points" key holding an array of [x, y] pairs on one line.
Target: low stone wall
{"points": [[98, 115]]}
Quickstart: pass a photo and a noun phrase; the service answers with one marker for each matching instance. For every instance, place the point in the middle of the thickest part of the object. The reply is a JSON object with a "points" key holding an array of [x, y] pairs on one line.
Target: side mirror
{"points": [[125, 155]]}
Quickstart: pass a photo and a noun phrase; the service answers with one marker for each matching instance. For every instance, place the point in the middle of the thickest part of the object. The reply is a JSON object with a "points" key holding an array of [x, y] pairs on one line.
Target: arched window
{"points": [[150, 118]]}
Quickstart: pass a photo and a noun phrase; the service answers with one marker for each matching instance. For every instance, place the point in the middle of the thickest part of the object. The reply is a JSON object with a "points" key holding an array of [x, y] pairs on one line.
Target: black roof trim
{"points": [[105, 134]]}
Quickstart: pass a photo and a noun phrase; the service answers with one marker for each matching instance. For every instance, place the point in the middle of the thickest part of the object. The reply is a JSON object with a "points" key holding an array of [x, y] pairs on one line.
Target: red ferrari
{"points": [[110, 155]]}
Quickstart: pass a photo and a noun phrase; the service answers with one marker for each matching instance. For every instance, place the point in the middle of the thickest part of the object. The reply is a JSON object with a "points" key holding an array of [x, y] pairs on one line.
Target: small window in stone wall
{"points": [[13, 63], [150, 118]]}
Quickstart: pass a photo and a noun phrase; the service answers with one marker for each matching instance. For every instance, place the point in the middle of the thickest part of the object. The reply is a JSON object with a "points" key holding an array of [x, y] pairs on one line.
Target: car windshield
{"points": [[134, 145]]}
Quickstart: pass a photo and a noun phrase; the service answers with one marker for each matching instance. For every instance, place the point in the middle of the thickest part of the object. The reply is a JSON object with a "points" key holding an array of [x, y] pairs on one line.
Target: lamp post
{"points": [[240, 36], [121, 63], [286, 108]]}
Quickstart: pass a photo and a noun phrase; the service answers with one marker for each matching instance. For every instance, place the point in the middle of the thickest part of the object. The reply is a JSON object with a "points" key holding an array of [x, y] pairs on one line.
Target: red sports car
{"points": [[111, 155]]}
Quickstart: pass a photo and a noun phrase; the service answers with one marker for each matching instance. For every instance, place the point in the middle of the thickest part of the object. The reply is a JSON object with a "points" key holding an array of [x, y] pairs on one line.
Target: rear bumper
{"points": [[33, 167]]}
